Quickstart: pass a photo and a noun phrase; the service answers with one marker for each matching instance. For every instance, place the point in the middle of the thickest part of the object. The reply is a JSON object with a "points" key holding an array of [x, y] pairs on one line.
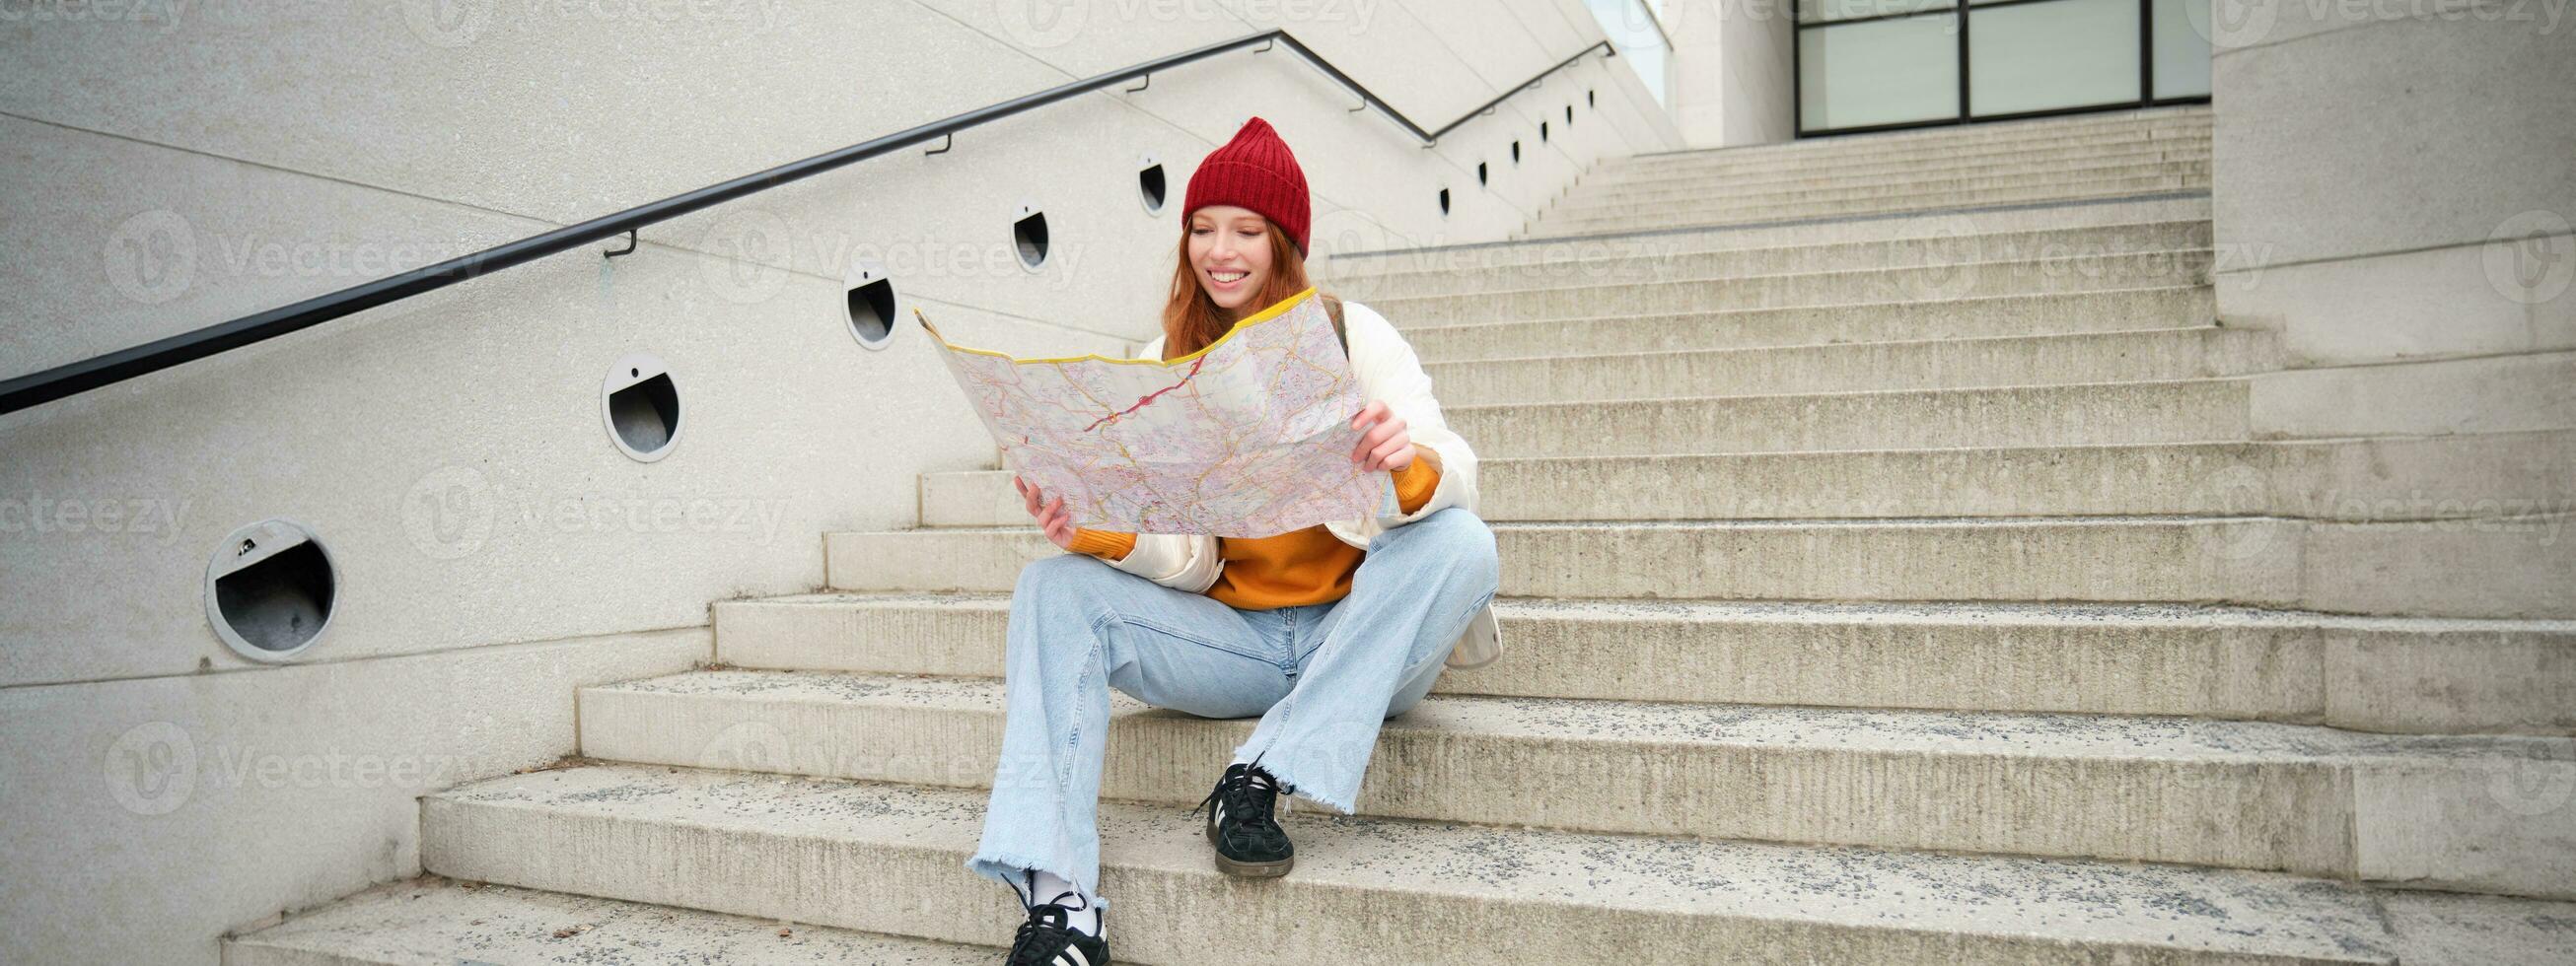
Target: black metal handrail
{"points": [[38, 388]]}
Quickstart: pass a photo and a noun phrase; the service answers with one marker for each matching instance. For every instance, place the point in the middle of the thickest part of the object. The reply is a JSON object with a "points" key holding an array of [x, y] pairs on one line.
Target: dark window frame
{"points": [[1961, 9]]}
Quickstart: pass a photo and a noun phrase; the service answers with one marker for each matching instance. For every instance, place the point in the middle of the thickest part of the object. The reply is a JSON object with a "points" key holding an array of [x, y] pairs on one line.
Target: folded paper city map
{"points": [[1249, 437]]}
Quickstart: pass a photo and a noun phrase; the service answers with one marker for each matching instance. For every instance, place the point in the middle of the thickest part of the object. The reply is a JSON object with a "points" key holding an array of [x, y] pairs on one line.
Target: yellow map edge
{"points": [[1256, 318]]}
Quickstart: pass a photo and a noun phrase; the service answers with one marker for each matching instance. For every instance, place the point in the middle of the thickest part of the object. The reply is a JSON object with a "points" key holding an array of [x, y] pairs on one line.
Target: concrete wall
{"points": [[166, 167], [2392, 192], [1732, 82]]}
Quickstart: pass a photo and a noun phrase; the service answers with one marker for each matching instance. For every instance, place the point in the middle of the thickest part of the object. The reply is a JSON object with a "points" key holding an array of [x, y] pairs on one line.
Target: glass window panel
{"points": [[1824, 11], [2182, 50], [2058, 53], [1879, 72]]}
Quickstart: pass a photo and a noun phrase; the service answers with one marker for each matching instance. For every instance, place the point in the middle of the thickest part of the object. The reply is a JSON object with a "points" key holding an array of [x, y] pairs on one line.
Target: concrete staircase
{"points": [[2051, 162], [1893, 574]]}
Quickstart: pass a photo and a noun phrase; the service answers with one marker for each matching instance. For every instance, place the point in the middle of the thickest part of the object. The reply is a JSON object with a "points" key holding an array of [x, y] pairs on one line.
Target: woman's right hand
{"points": [[1051, 515]]}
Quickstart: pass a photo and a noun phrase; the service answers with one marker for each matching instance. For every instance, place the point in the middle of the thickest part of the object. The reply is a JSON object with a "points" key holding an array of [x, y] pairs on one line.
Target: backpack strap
{"points": [[1333, 310]]}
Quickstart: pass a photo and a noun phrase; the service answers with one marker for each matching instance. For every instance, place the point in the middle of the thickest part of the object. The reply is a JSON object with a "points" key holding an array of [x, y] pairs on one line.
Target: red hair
{"points": [[1191, 320]]}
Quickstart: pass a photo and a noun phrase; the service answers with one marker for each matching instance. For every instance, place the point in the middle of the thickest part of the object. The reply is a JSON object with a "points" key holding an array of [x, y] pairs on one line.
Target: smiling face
{"points": [[1230, 254]]}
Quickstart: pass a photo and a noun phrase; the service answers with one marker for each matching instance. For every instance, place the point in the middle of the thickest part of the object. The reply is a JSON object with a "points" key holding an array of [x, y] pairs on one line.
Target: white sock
{"points": [[1086, 915]]}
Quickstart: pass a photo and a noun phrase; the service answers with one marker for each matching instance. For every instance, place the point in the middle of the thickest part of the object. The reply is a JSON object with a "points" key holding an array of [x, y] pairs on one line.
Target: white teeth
{"points": [[1228, 276]]}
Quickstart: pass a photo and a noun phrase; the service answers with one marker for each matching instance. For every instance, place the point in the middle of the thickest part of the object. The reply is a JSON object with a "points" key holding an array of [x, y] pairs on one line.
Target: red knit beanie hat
{"points": [[1255, 171]]}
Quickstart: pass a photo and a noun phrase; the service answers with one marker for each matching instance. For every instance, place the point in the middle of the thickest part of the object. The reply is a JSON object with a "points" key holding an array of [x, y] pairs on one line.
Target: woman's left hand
{"points": [[1386, 446]]}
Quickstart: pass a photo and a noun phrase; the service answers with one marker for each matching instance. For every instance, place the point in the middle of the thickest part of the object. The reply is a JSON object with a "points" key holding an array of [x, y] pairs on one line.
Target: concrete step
{"points": [[799, 849], [1346, 268], [437, 921], [1682, 217], [2243, 560], [1839, 198], [2117, 310], [2144, 355], [1718, 194], [2374, 479], [1954, 137], [1614, 178], [2250, 795], [1934, 143], [2079, 272], [2399, 675], [1729, 191], [1949, 248], [2177, 411], [1649, 169], [2492, 567]]}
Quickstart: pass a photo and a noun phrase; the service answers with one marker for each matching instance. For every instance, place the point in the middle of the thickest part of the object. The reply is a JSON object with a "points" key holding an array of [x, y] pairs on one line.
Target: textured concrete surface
{"points": [[1480, 269], [1861, 228], [2136, 559], [434, 921], [1895, 321], [2426, 478], [2508, 567], [1840, 195], [203, 801], [437, 921], [2026, 276], [1835, 208], [2393, 674], [2185, 127], [2138, 356], [2171, 411], [1365, 888], [2077, 177], [2111, 161], [2238, 794]]}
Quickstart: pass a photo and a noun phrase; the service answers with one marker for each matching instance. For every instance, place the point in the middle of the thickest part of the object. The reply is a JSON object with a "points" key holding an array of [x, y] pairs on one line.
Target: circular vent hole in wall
{"points": [[642, 406], [870, 300], [1444, 201], [269, 590], [1480, 172], [1149, 185], [1029, 235]]}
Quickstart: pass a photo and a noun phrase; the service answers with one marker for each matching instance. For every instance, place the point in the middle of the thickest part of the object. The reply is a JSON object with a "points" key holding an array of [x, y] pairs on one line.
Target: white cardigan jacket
{"points": [[1388, 370]]}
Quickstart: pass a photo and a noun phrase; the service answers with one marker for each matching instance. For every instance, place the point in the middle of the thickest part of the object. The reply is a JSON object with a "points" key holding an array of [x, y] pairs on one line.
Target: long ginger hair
{"points": [[1191, 320]]}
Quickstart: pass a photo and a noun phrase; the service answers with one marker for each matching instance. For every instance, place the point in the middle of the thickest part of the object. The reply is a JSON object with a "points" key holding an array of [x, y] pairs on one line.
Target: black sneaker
{"points": [[1048, 937], [1248, 841]]}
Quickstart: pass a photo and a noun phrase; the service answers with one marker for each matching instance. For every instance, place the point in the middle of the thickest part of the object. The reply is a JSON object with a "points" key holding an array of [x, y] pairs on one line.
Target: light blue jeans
{"points": [[1321, 676]]}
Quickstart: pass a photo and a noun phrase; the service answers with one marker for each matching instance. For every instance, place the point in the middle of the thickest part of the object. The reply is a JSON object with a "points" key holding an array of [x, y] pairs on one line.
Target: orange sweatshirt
{"points": [[1309, 566]]}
